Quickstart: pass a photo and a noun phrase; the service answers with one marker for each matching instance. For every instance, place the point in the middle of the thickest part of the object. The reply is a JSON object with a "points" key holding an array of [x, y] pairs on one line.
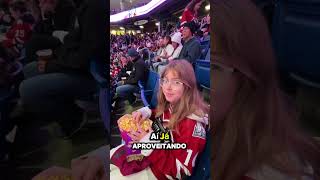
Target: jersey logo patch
{"points": [[199, 131]]}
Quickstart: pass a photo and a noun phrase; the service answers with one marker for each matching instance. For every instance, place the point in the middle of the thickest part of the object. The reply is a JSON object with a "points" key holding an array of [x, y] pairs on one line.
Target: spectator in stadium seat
{"points": [[191, 12], [165, 53], [20, 31], [184, 113], [160, 48], [191, 47], [56, 15], [126, 65], [205, 28], [176, 43], [139, 72], [51, 87], [256, 134]]}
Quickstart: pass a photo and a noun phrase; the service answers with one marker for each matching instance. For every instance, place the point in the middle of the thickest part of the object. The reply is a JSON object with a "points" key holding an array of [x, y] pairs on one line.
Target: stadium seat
{"points": [[202, 71], [149, 90], [8, 100], [100, 101], [208, 55], [204, 46], [296, 27], [96, 71]]}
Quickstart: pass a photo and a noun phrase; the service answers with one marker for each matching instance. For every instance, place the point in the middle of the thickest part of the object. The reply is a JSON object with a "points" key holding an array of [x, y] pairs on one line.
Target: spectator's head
{"points": [[123, 60], [208, 19], [133, 54], [161, 42], [176, 39], [189, 29], [17, 9], [194, 6], [179, 90], [48, 6], [148, 44], [167, 40]]}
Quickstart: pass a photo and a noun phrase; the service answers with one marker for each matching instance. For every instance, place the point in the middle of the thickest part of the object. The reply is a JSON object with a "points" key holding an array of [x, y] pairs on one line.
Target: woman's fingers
{"points": [[137, 116]]}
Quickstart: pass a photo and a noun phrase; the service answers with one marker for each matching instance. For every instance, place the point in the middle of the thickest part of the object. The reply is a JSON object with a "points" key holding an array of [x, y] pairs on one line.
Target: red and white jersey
{"points": [[19, 33], [187, 16], [175, 164]]}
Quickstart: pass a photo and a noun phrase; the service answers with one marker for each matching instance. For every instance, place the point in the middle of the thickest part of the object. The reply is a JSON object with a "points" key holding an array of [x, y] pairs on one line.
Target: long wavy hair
{"points": [[191, 101], [260, 127]]}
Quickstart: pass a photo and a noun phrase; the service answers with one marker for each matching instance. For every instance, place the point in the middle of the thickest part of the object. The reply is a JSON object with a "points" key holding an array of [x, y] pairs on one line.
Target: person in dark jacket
{"points": [[126, 67], [51, 87], [56, 15], [191, 48], [139, 72]]}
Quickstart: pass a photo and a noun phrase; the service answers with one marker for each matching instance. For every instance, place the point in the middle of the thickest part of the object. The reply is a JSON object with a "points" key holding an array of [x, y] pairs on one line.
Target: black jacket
{"points": [[62, 19], [123, 71], [139, 72], [83, 43]]}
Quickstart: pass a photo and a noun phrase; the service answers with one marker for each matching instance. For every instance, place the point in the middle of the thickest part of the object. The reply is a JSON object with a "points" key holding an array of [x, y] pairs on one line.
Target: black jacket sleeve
{"points": [[138, 73], [89, 42]]}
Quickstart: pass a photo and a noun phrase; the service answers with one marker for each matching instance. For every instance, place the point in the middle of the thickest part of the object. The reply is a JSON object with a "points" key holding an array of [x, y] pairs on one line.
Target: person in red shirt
{"points": [[184, 113], [191, 12], [21, 30]]}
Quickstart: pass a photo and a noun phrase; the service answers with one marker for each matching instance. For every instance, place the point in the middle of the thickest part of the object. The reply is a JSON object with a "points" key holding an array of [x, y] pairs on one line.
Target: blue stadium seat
{"points": [[208, 55], [97, 71], [98, 102], [149, 89], [296, 27], [202, 71], [204, 47]]}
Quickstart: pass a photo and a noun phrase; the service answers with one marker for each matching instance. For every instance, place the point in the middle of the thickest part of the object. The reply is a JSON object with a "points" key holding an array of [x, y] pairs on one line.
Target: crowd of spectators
{"points": [[156, 49], [50, 43]]}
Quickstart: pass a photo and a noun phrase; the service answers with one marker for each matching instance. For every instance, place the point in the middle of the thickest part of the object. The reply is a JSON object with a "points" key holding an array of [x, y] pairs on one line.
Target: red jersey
{"points": [[187, 16], [175, 164], [19, 33]]}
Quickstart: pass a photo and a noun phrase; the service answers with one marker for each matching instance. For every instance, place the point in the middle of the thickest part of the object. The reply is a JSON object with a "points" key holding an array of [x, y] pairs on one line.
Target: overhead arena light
{"points": [[137, 11], [122, 28], [141, 22], [207, 7], [157, 24], [141, 27]]}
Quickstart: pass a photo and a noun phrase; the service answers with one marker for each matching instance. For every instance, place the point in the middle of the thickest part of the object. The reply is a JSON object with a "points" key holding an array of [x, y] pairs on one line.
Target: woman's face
{"points": [[174, 44], [123, 60], [166, 41], [225, 84], [172, 87]]}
